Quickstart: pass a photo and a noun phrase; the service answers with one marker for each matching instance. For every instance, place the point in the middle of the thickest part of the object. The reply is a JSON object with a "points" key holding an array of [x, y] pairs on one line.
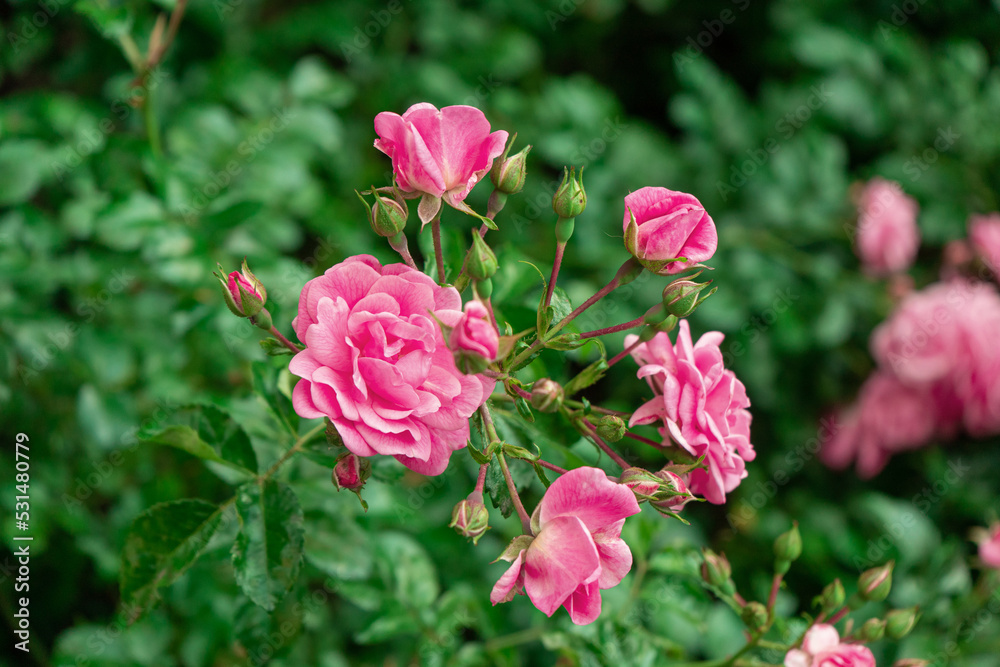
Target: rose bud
{"points": [[754, 615], [244, 294], [899, 622], [388, 216], [474, 341], [643, 483], [680, 298], [832, 597], [871, 630], [508, 173], [470, 518], [611, 428], [661, 226], [717, 572], [570, 198], [673, 494], [787, 548], [874, 584], [351, 472], [546, 395], [482, 262]]}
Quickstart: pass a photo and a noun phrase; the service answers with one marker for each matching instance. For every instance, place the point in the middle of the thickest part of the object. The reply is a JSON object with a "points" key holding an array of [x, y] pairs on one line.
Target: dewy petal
{"points": [[559, 560], [588, 494], [510, 584]]}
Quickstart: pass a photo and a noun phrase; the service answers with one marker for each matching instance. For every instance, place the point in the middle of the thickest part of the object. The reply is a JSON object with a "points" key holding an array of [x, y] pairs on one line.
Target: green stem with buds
{"points": [[493, 436]]}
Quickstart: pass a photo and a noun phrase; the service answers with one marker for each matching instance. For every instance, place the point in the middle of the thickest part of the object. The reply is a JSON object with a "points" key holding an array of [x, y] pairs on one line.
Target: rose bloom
{"points": [[984, 233], [577, 548], [821, 647], [989, 548], [670, 224], [475, 334], [701, 404], [377, 365], [443, 153], [887, 233]]}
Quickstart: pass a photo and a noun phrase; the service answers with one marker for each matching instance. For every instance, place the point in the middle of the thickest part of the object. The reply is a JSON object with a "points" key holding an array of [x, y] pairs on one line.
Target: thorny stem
{"points": [[284, 341], [615, 329], [482, 478], [604, 411], [550, 466]]}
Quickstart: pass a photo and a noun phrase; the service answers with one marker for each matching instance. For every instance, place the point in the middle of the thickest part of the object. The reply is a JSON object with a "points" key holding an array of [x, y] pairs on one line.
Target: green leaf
{"points": [[209, 433], [586, 377], [395, 621], [267, 552], [496, 487], [21, 163], [265, 385], [408, 570], [162, 543], [113, 19]]}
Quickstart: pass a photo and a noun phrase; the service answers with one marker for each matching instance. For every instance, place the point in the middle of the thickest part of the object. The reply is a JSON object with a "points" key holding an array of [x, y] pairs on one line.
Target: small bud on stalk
{"points": [[546, 395], [611, 428], [832, 598], [899, 622], [388, 216], [680, 298], [754, 615], [482, 262], [570, 198], [351, 472], [874, 584], [245, 295], [643, 483], [673, 494], [872, 630], [787, 548], [470, 518], [508, 173], [717, 572]]}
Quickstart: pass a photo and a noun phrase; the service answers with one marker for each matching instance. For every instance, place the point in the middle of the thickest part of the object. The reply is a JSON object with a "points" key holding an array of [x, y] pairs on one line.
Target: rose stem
{"points": [[556, 263], [438, 254], [621, 355], [491, 431], [616, 328], [284, 341], [592, 432]]}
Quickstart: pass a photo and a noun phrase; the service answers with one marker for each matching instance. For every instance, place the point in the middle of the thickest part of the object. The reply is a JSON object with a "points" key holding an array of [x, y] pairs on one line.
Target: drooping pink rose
{"points": [[377, 365], [442, 153], [989, 548], [474, 340], [701, 404], [577, 550], [821, 647], [984, 233], [670, 224], [887, 234]]}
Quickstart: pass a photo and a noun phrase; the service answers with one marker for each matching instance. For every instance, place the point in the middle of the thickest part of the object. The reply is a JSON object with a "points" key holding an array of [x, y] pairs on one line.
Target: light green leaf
{"points": [[209, 433]]}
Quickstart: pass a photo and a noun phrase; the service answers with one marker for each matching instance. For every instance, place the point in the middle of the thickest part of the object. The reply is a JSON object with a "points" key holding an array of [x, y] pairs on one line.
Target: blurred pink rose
{"points": [[443, 153], [670, 224], [984, 233], [989, 548], [577, 551], [474, 339], [701, 404], [376, 363], [887, 233], [821, 647]]}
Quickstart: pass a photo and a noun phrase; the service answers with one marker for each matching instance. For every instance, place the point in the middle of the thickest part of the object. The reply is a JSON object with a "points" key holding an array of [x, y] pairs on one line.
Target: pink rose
{"points": [[670, 224], [441, 153], [377, 365], [701, 404], [984, 233], [887, 234], [577, 550], [989, 548], [474, 340], [821, 647]]}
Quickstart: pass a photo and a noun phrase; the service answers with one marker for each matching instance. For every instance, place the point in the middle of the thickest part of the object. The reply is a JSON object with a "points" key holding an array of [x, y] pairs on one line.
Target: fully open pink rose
{"points": [[577, 550], [989, 548], [670, 224], [887, 235], [475, 334], [442, 153], [821, 647], [701, 404], [376, 363], [984, 233]]}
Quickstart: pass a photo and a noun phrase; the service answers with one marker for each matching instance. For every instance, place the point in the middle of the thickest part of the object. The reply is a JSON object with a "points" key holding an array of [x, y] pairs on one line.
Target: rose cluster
{"points": [[938, 366]]}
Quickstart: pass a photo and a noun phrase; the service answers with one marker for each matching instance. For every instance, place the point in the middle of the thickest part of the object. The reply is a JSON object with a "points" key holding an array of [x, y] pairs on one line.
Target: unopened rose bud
{"points": [[871, 630], [388, 216], [611, 428], [482, 262], [351, 472], [874, 584], [832, 597], [673, 494], [474, 341], [716, 571], [754, 615], [643, 483], [546, 395], [508, 173], [899, 622], [243, 292], [470, 518], [570, 198], [787, 548], [681, 297]]}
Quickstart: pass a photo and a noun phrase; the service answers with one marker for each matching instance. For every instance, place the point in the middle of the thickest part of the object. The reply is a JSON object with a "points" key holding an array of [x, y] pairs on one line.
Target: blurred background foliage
{"points": [[766, 111]]}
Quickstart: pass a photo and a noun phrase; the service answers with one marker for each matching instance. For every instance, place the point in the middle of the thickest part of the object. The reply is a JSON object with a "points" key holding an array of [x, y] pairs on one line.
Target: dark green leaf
{"points": [[496, 487], [268, 548], [207, 432]]}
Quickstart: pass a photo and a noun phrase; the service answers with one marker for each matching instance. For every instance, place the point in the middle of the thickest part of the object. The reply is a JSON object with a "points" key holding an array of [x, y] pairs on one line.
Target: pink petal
{"points": [[616, 558], [820, 637], [584, 605], [510, 584], [560, 559], [587, 494]]}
